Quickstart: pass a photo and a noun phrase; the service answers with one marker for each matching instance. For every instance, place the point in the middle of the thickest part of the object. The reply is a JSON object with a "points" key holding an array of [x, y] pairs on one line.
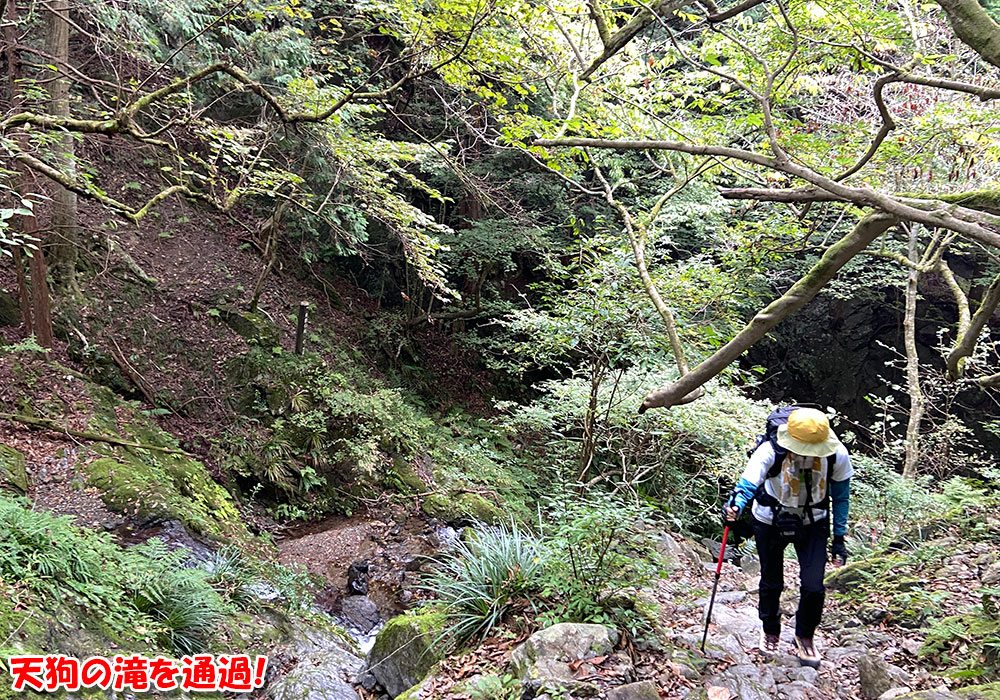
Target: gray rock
{"points": [[750, 563], [843, 655], [643, 690], [991, 576], [724, 647], [317, 676], [872, 614], [742, 622], [360, 612], [367, 681], [723, 598], [800, 690], [806, 674], [671, 552], [878, 676], [542, 661], [747, 682], [306, 640], [894, 693]]}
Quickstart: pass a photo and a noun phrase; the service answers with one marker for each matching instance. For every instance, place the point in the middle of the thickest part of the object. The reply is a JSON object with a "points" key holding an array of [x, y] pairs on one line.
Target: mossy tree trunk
{"points": [[801, 293]]}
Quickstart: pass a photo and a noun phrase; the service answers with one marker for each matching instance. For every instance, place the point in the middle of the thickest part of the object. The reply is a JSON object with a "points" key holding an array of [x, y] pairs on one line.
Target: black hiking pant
{"points": [[810, 547]]}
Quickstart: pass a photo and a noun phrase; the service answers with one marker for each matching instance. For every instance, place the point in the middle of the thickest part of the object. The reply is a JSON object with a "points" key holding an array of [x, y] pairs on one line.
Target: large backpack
{"points": [[776, 418]]}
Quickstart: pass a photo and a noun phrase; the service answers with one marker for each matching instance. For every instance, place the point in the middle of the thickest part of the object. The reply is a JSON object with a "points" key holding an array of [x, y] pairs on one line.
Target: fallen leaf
{"points": [[717, 692]]}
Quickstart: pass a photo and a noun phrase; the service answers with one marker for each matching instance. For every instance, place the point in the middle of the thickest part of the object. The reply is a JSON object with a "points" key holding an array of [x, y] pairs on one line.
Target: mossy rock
{"points": [[251, 326], [406, 649], [10, 314], [13, 470], [168, 487], [156, 484], [990, 691], [462, 507], [854, 572], [405, 473]]}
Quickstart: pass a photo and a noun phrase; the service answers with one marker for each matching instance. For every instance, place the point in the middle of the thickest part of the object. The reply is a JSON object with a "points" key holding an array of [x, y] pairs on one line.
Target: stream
{"points": [[371, 564]]}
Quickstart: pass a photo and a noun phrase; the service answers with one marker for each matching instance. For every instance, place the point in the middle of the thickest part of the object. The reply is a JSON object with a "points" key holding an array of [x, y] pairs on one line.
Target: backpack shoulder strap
{"points": [[779, 458]]}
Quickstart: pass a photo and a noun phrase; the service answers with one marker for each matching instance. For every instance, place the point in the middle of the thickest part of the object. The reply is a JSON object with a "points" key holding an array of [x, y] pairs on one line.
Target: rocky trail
{"points": [[863, 657]]}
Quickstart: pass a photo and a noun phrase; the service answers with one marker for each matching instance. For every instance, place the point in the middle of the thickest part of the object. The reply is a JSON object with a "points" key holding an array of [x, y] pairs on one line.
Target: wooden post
{"points": [[300, 331]]}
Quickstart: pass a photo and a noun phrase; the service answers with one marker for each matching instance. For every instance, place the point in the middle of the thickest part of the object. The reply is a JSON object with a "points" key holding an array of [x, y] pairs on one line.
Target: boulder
{"points": [[878, 676], [669, 550], [643, 690], [750, 563], [722, 647], [406, 649], [317, 676], [251, 326], [991, 576], [542, 661], [13, 470]]}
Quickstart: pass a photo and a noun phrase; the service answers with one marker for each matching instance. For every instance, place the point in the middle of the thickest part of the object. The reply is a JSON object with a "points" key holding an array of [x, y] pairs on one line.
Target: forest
{"points": [[485, 349]]}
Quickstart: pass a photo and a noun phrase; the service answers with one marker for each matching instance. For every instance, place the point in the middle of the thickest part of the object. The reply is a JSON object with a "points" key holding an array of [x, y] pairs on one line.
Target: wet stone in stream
{"points": [[360, 613]]}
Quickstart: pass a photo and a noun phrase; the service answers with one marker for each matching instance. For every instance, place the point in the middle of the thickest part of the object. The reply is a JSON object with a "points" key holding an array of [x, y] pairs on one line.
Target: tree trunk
{"points": [[589, 446], [23, 297], [912, 457], [41, 314], [270, 230], [41, 310], [64, 237]]}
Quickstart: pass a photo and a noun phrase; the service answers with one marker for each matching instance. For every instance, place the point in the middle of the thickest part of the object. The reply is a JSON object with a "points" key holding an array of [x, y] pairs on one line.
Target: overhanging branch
{"points": [[836, 256], [944, 216]]}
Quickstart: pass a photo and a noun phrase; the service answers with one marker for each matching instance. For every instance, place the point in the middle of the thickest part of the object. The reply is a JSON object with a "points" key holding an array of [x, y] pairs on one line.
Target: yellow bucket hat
{"points": [[808, 433]]}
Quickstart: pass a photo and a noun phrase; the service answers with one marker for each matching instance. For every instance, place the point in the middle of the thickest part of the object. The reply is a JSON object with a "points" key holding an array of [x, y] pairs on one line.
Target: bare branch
{"points": [[888, 124], [961, 300], [943, 216], [734, 10], [620, 39]]}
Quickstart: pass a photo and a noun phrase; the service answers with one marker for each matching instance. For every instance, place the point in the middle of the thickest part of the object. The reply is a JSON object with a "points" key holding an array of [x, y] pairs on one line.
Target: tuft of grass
{"points": [[481, 580]]}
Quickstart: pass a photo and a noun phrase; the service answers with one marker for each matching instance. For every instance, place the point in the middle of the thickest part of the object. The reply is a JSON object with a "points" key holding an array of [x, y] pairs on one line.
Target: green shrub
{"points": [[144, 592], [599, 555], [481, 580], [185, 607]]}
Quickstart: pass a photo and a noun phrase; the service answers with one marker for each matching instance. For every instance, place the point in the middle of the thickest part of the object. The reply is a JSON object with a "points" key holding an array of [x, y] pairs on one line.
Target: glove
{"points": [[727, 519], [838, 550]]}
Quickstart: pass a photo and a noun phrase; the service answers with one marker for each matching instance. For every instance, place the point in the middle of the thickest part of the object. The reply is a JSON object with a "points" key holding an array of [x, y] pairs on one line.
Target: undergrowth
{"points": [[144, 594], [587, 562]]}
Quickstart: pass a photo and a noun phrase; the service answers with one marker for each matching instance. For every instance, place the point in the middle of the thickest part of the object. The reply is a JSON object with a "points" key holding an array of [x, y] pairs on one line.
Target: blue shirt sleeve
{"points": [[743, 493], [840, 494]]}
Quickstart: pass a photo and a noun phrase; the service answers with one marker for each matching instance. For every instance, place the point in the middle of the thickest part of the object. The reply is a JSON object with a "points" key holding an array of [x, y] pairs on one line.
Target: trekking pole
{"points": [[715, 587]]}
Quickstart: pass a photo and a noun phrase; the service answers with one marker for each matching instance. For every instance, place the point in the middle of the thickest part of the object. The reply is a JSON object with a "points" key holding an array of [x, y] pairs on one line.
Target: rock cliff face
{"points": [[836, 353]]}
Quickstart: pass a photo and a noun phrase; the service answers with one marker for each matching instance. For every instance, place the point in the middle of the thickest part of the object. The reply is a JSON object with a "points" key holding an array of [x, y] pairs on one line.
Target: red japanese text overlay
{"points": [[139, 674]]}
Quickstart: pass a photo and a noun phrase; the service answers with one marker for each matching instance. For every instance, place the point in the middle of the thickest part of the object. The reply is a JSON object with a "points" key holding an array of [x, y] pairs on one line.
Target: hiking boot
{"points": [[806, 651], [769, 643]]}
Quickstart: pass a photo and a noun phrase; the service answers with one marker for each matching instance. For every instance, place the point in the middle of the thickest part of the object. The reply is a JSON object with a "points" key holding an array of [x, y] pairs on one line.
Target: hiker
{"points": [[797, 471]]}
